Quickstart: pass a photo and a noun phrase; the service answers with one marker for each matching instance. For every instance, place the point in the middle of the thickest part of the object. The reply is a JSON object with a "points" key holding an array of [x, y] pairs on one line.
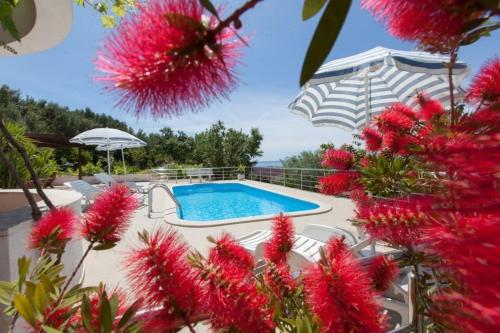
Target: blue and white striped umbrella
{"points": [[348, 92]]}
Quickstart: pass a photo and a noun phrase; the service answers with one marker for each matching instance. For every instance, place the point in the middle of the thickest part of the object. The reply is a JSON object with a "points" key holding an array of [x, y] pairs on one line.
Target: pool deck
{"points": [[108, 266]]}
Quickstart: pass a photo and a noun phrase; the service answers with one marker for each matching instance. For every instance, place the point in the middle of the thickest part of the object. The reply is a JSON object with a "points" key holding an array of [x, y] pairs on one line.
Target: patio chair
{"points": [[109, 180]]}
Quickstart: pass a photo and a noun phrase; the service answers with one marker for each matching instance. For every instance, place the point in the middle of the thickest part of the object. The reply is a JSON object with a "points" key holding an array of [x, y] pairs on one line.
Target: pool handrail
{"points": [[170, 194]]}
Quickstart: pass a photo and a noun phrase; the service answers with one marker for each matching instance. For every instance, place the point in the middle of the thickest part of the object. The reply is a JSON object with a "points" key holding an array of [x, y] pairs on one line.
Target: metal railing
{"points": [[300, 178], [176, 174]]}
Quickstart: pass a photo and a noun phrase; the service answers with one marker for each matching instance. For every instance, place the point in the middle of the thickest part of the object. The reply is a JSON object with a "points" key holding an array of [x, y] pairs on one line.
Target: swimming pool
{"points": [[222, 201]]}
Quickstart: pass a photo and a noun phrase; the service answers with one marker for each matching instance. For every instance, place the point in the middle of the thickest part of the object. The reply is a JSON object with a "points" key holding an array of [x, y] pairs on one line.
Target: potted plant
{"points": [[241, 172]]}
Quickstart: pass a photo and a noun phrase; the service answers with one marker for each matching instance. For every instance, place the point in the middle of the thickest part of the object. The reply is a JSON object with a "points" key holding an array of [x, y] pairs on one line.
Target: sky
{"points": [[269, 74]]}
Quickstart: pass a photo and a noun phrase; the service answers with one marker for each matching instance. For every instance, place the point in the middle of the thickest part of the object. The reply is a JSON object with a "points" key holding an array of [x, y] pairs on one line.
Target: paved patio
{"points": [[108, 266]]}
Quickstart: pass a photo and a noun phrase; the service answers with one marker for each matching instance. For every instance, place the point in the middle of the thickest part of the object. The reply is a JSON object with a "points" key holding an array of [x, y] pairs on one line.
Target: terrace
{"points": [[114, 226]]}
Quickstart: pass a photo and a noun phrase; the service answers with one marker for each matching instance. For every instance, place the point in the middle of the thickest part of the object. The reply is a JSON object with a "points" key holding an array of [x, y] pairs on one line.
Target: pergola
{"points": [[57, 141]]}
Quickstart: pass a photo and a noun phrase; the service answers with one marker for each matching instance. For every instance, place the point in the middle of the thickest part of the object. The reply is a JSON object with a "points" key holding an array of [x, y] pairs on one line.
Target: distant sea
{"points": [[275, 164]]}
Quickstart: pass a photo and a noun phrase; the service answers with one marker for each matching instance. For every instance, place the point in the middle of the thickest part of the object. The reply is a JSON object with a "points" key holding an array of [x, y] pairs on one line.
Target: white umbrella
{"points": [[108, 138], [121, 146], [347, 92]]}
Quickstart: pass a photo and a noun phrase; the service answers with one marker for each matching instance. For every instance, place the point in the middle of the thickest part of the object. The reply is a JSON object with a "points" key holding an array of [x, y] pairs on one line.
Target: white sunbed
{"points": [[88, 191], [306, 249], [108, 180], [308, 243]]}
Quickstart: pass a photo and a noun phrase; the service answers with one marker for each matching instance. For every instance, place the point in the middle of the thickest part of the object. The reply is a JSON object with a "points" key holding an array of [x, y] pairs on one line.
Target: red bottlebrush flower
{"points": [[334, 247], [58, 318], [372, 137], [404, 110], [336, 183], [364, 162], [338, 159], [159, 273], [486, 121], [469, 254], [277, 248], [233, 301], [429, 109], [155, 61], [389, 140], [434, 24], [340, 294], [54, 229], [404, 143], [393, 222], [393, 119], [382, 271], [95, 299], [228, 252], [486, 84], [359, 196], [109, 216], [279, 279]]}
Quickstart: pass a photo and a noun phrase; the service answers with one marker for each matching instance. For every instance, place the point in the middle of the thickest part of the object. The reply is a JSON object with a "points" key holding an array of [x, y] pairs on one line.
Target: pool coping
{"points": [[172, 218]]}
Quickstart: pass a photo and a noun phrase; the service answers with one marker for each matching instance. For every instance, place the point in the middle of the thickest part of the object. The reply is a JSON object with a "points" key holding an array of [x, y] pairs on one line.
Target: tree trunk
{"points": [[27, 162]]}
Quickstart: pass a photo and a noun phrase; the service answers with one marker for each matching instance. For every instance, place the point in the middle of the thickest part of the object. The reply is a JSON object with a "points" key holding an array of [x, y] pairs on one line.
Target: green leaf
{"points": [[6, 20], [6, 292], [104, 246], [23, 265], [48, 329], [129, 313], [311, 8], [40, 298], [114, 302], [208, 5], [108, 21], [105, 314], [489, 4], [25, 308], [119, 10], [80, 2], [324, 37], [86, 314]]}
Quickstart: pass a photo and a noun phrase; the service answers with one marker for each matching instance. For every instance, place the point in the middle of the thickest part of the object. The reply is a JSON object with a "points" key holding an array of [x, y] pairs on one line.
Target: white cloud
{"points": [[284, 133]]}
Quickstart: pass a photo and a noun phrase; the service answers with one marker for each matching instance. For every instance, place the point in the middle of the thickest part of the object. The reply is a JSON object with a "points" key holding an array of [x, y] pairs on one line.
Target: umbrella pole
{"points": [[367, 98], [124, 168], [109, 164]]}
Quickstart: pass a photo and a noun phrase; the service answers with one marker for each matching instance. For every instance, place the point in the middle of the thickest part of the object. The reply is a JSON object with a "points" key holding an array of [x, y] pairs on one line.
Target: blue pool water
{"points": [[211, 202]]}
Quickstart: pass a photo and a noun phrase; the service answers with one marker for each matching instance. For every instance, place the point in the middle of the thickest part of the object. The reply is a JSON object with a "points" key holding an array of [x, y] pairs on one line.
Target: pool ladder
{"points": [[170, 194]]}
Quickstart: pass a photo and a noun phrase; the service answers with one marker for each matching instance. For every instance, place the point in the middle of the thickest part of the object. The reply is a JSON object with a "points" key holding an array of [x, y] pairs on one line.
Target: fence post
{"points": [[222, 173], [301, 179], [260, 174], [270, 181], [284, 177]]}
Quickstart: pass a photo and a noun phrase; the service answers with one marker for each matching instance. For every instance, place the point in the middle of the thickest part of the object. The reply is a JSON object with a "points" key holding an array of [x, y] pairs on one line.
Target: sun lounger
{"points": [[308, 243], [88, 191], [306, 249], [108, 180]]}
